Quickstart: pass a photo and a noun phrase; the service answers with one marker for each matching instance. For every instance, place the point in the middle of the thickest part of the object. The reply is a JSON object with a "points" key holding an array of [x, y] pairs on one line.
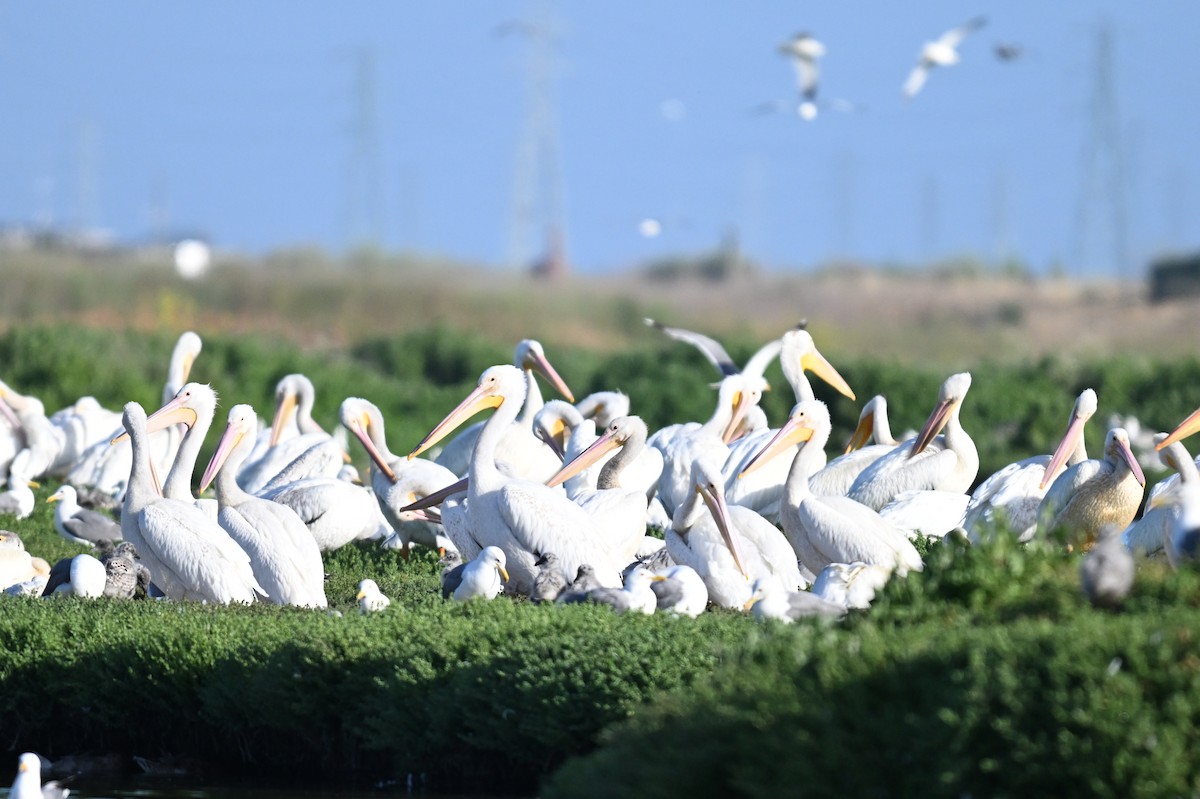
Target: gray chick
{"points": [[452, 572], [127, 551], [549, 582], [120, 578], [585, 580], [1107, 570]]}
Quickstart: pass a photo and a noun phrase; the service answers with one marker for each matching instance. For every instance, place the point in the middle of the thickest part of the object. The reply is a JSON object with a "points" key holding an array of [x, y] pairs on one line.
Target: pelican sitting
{"points": [[946, 462], [283, 554], [483, 577], [769, 600], [729, 546], [1010, 498], [16, 565], [522, 518], [825, 530], [836, 477], [524, 453], [293, 433], [1152, 532], [43, 441], [603, 406], [1094, 493], [370, 598], [188, 553], [80, 525], [398, 481]]}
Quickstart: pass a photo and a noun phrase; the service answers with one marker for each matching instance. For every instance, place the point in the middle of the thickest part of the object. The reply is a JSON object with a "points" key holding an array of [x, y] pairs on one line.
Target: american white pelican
{"points": [[12, 437], [43, 441], [483, 577], [620, 511], [1010, 498], [293, 433], [555, 423], [851, 585], [1151, 533], [1183, 543], [370, 598], [729, 546], [522, 518], [769, 600], [189, 555], [603, 406], [825, 530], [804, 50], [28, 783], [942, 52], [835, 477], [550, 580], [762, 489], [681, 591], [104, 467], [80, 525], [81, 425], [1094, 493], [283, 554], [636, 595], [397, 481], [1106, 572], [930, 513], [524, 453], [946, 462], [16, 565]]}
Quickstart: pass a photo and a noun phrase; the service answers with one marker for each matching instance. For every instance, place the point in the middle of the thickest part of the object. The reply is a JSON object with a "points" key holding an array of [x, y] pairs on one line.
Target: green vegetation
{"points": [[985, 674]]}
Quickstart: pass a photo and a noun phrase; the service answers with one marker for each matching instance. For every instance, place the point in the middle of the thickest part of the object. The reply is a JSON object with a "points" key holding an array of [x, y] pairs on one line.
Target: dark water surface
{"points": [[159, 789]]}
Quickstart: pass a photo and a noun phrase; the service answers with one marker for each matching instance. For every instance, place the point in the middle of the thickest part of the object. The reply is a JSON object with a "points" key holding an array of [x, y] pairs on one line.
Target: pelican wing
{"points": [[953, 37], [206, 562], [709, 348], [916, 79]]}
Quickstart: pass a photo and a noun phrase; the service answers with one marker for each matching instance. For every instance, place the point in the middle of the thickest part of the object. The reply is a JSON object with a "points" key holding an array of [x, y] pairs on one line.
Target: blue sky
{"points": [[240, 121]]}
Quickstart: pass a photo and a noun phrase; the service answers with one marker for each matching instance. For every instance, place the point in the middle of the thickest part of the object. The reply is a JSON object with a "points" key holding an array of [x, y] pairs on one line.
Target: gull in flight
{"points": [[940, 53]]}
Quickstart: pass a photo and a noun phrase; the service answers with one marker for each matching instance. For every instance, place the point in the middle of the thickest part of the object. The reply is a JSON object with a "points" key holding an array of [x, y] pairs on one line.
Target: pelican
{"points": [[12, 437], [803, 50], [80, 525], [293, 432], [1094, 493], [16, 565], [729, 546], [603, 406], [947, 462], [940, 53], [619, 511], [190, 556], [482, 577], [81, 425], [398, 481], [1151, 533], [825, 530], [370, 598], [523, 451], [43, 441], [522, 518], [1183, 542], [104, 466], [28, 783], [1010, 498], [284, 555], [836, 477], [763, 489], [769, 600], [556, 422]]}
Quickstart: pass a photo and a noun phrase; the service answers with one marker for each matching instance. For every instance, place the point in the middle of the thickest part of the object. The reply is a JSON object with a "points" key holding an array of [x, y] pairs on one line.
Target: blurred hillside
{"points": [[951, 316]]}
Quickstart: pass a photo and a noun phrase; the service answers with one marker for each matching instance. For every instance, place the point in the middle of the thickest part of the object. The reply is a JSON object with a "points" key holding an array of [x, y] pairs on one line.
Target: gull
{"points": [[80, 525], [636, 595], [370, 598], [770, 600], [1107, 570], [28, 784], [481, 577], [940, 53], [681, 591], [803, 50]]}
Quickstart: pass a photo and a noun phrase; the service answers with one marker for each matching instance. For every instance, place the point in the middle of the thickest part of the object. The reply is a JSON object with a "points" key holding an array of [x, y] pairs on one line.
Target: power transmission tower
{"points": [[537, 235], [364, 175], [1100, 213]]}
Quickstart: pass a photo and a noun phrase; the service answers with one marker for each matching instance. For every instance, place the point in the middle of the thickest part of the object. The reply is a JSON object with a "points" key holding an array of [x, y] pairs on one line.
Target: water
{"points": [[161, 789]]}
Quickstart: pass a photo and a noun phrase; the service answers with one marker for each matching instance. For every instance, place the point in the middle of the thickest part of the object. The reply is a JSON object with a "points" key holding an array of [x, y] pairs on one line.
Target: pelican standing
{"points": [[825, 530], [283, 554], [946, 462], [188, 554], [523, 518], [1093, 494], [1010, 498]]}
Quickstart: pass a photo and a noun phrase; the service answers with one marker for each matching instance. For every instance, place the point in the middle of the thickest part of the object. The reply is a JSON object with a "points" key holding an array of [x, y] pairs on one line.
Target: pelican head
{"points": [[1117, 449], [875, 407], [807, 417], [800, 355], [496, 385], [530, 356], [362, 418], [616, 435], [554, 423], [241, 427], [290, 391], [950, 397], [741, 392], [706, 479], [1085, 408]]}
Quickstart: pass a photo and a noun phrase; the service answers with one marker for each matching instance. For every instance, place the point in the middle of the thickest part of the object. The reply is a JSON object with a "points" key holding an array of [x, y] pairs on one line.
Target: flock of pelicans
{"points": [[553, 500]]}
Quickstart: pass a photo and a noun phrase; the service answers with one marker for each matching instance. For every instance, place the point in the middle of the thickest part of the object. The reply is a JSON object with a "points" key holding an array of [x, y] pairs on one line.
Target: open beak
{"points": [[815, 362], [359, 427], [933, 425], [1186, 428], [1069, 441], [437, 497], [791, 434], [720, 511], [599, 448], [862, 433], [478, 400]]}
